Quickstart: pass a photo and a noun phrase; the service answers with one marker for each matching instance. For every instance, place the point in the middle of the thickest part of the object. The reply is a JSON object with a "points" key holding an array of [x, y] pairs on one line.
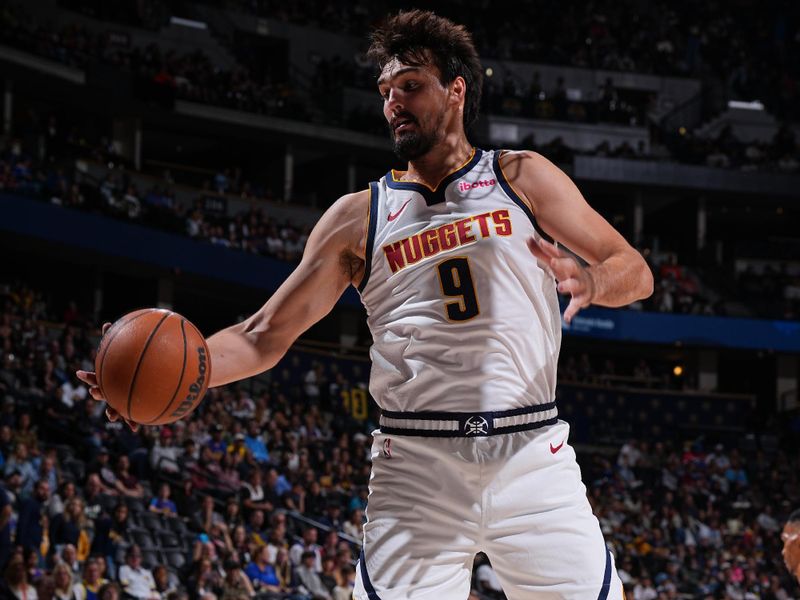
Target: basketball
{"points": [[153, 366]]}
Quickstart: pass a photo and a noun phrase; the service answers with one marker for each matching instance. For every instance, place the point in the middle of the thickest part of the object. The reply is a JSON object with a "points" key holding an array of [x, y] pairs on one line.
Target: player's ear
{"points": [[458, 90]]}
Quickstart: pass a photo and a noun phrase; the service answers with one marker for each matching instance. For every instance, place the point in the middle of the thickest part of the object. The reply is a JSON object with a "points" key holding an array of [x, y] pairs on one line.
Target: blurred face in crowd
{"points": [[42, 490], [121, 513], [135, 558], [69, 555], [791, 547], [92, 572]]}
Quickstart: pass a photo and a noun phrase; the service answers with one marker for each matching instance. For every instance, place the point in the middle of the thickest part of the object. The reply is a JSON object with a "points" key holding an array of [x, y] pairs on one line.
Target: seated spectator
{"points": [[136, 581], [308, 576], [16, 580], [89, 588], [236, 585], [205, 580], [262, 573], [64, 588], [69, 557], [307, 544], [32, 517], [254, 495], [255, 443], [216, 444], [355, 526], [112, 534], [207, 516], [165, 454], [59, 500], [165, 582], [21, 463], [106, 476], [127, 484], [70, 527], [161, 504]]}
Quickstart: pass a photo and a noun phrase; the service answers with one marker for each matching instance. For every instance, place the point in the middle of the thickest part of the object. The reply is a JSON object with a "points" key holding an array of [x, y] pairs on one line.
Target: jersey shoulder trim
{"points": [[434, 195], [511, 193], [371, 228]]}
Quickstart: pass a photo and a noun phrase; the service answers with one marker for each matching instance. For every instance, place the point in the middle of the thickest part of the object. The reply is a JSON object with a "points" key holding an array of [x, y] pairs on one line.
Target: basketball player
{"points": [[791, 544], [456, 263]]}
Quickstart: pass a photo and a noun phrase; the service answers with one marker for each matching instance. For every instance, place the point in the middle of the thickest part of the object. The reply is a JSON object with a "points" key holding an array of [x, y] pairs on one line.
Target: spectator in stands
{"points": [[255, 443], [32, 517], [112, 534], [308, 576], [165, 584], [16, 580], [165, 455], [307, 544], [355, 526], [237, 585], [20, 462], [207, 515], [254, 495], [89, 588], [205, 581], [136, 581], [6, 510], [70, 527], [162, 504], [101, 466], [127, 483], [64, 588], [216, 444], [69, 556]]}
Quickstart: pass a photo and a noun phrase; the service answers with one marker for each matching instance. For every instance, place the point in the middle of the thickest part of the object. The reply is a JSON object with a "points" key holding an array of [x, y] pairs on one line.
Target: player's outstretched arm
{"points": [[617, 274], [333, 259]]}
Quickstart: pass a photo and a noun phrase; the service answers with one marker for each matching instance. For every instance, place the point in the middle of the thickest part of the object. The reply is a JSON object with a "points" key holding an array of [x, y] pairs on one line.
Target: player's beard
{"points": [[411, 145]]}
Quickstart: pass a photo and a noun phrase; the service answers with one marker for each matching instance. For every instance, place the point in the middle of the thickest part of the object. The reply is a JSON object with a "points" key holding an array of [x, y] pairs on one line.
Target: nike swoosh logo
{"points": [[392, 217], [554, 449]]}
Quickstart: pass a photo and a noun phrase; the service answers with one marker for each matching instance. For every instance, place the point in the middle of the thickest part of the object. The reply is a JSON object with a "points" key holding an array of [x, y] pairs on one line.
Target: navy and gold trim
{"points": [[603, 595], [368, 587], [462, 420], [371, 228], [434, 195], [511, 193]]}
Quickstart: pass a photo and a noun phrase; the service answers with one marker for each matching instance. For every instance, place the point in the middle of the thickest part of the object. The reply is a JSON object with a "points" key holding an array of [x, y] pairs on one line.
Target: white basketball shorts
{"points": [[434, 502]]}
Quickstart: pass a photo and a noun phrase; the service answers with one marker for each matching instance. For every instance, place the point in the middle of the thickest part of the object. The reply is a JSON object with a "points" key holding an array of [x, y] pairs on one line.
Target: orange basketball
{"points": [[153, 366]]}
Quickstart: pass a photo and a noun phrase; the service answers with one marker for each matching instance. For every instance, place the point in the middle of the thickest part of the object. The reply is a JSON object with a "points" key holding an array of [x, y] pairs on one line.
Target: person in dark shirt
{"points": [[5, 527], [31, 512]]}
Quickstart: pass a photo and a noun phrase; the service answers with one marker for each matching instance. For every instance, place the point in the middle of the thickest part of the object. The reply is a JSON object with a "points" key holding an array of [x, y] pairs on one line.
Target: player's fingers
{"points": [[87, 377], [564, 268], [570, 286], [95, 393], [134, 426], [572, 309], [112, 415], [551, 249], [106, 327], [533, 246]]}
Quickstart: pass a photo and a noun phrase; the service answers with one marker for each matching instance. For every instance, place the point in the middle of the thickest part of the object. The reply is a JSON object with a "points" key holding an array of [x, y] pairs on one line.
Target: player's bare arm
{"points": [[332, 260], [617, 274]]}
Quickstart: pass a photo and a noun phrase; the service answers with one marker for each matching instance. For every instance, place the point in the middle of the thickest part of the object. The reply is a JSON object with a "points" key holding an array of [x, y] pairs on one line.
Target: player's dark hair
{"points": [[420, 37], [794, 517]]}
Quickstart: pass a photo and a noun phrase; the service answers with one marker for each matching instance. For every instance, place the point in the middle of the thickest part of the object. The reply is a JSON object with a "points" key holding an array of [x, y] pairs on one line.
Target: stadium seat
{"points": [[176, 560], [136, 505], [150, 559], [169, 540], [143, 539], [151, 521], [177, 526]]}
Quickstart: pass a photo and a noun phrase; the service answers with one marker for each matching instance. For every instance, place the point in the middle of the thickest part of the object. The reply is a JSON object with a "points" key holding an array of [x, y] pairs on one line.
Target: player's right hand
{"points": [[90, 379]]}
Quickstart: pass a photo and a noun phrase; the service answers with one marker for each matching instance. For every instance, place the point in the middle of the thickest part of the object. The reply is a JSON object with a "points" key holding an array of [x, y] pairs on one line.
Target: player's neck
{"points": [[440, 161]]}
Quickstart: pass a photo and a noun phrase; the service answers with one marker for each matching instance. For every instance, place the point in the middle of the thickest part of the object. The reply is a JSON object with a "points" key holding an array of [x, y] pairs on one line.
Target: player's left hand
{"points": [[572, 278], [90, 379]]}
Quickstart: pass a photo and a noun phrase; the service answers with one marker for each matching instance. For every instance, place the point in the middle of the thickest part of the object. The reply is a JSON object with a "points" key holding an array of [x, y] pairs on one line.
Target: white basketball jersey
{"points": [[462, 317]]}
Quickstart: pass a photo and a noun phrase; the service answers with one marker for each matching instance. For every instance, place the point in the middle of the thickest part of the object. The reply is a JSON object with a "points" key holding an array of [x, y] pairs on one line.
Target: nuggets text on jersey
{"points": [[434, 241]]}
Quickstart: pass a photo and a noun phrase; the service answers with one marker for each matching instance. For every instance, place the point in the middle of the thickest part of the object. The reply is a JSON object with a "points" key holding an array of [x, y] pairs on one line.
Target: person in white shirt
{"points": [[135, 579]]}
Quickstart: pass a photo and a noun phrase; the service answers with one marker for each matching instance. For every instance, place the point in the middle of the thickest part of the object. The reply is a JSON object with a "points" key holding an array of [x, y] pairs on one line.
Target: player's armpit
{"points": [[330, 263], [619, 273]]}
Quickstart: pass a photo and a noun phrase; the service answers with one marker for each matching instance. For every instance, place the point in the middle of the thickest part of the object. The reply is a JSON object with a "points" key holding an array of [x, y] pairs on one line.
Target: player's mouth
{"points": [[404, 123]]}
